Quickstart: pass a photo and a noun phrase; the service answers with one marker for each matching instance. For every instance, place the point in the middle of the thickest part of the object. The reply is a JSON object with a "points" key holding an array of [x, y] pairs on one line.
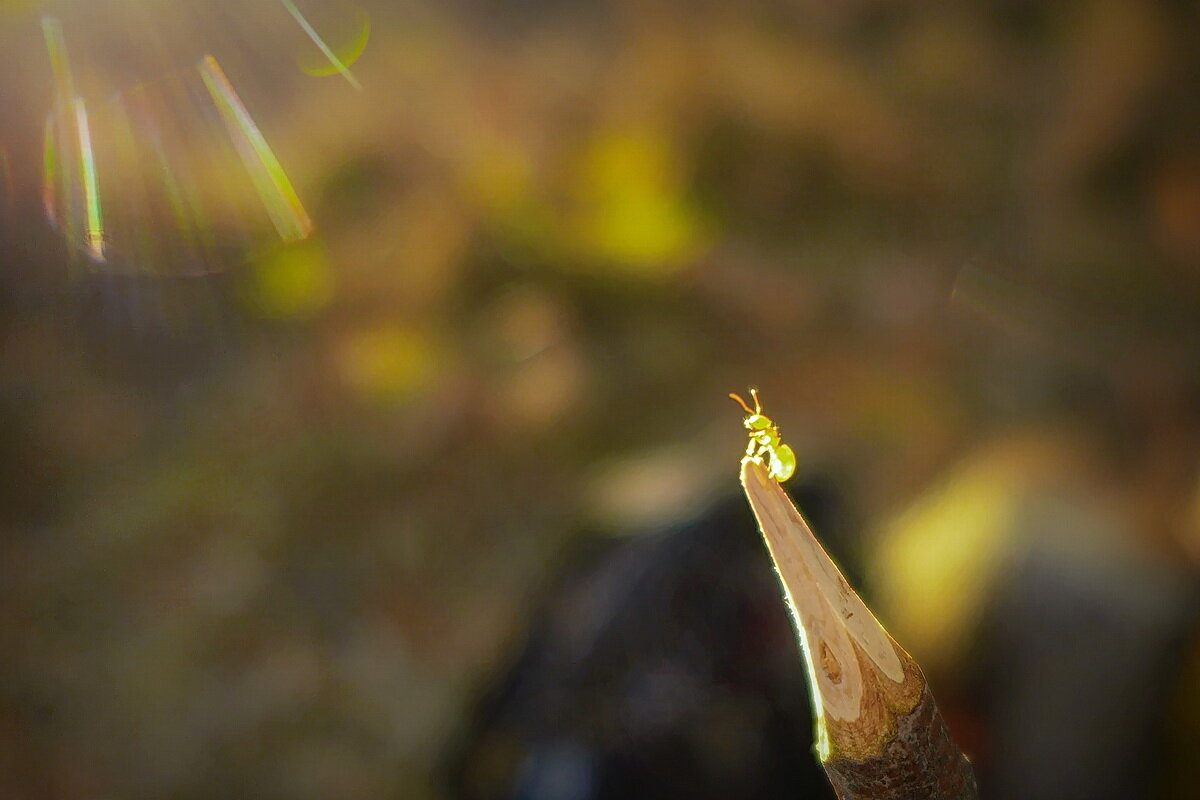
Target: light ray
{"points": [[94, 233], [59, 155], [337, 63], [283, 205], [50, 170], [60, 63], [6, 188]]}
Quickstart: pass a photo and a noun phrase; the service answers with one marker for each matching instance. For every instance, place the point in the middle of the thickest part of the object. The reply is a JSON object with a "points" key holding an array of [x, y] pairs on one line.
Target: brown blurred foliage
{"points": [[262, 531]]}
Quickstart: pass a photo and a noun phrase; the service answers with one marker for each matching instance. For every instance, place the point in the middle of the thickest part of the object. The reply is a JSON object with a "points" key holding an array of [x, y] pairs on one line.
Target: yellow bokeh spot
{"points": [[937, 562], [939, 555], [632, 206], [293, 281], [386, 363]]}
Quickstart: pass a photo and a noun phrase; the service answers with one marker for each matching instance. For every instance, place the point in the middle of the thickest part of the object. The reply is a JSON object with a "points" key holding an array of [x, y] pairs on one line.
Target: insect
{"points": [[765, 440]]}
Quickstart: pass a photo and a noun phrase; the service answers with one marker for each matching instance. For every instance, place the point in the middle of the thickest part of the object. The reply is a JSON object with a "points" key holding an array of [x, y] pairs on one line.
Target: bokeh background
{"points": [[363, 417]]}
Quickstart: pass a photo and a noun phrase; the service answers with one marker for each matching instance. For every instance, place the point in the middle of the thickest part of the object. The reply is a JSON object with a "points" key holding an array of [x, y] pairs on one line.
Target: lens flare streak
{"points": [[276, 191], [94, 234], [337, 63], [69, 165], [58, 156], [60, 64], [50, 170], [6, 188], [189, 182]]}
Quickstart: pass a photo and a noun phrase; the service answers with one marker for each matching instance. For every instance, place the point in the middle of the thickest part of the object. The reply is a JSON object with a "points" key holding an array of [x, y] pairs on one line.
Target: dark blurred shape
{"points": [[1044, 581], [1083, 653], [1084, 649], [663, 666]]}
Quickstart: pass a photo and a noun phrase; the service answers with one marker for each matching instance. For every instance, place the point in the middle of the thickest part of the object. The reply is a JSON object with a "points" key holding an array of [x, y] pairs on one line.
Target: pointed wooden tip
{"points": [[879, 733]]}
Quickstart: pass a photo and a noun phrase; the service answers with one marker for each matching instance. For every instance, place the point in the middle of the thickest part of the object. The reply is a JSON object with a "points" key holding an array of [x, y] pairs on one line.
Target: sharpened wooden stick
{"points": [[879, 733]]}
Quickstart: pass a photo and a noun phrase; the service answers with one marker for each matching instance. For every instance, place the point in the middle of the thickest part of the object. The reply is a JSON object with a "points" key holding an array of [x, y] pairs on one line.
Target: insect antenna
{"points": [[738, 399], [757, 402]]}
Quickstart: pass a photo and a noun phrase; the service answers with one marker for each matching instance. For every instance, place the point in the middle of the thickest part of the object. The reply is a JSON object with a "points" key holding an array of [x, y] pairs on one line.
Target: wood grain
{"points": [[879, 733]]}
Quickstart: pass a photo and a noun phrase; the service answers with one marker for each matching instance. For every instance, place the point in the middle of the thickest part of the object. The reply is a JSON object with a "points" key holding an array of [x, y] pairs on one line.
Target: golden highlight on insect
{"points": [[765, 445]]}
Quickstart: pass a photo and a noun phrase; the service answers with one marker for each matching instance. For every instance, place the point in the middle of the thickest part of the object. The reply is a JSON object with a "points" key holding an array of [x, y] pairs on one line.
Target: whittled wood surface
{"points": [[879, 733]]}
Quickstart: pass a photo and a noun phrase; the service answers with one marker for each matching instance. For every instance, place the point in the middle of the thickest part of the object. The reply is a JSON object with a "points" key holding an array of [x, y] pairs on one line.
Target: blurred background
{"points": [[363, 374]]}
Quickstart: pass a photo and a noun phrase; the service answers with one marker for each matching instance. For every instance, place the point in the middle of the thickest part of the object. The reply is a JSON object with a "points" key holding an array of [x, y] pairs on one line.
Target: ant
{"points": [[765, 440]]}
